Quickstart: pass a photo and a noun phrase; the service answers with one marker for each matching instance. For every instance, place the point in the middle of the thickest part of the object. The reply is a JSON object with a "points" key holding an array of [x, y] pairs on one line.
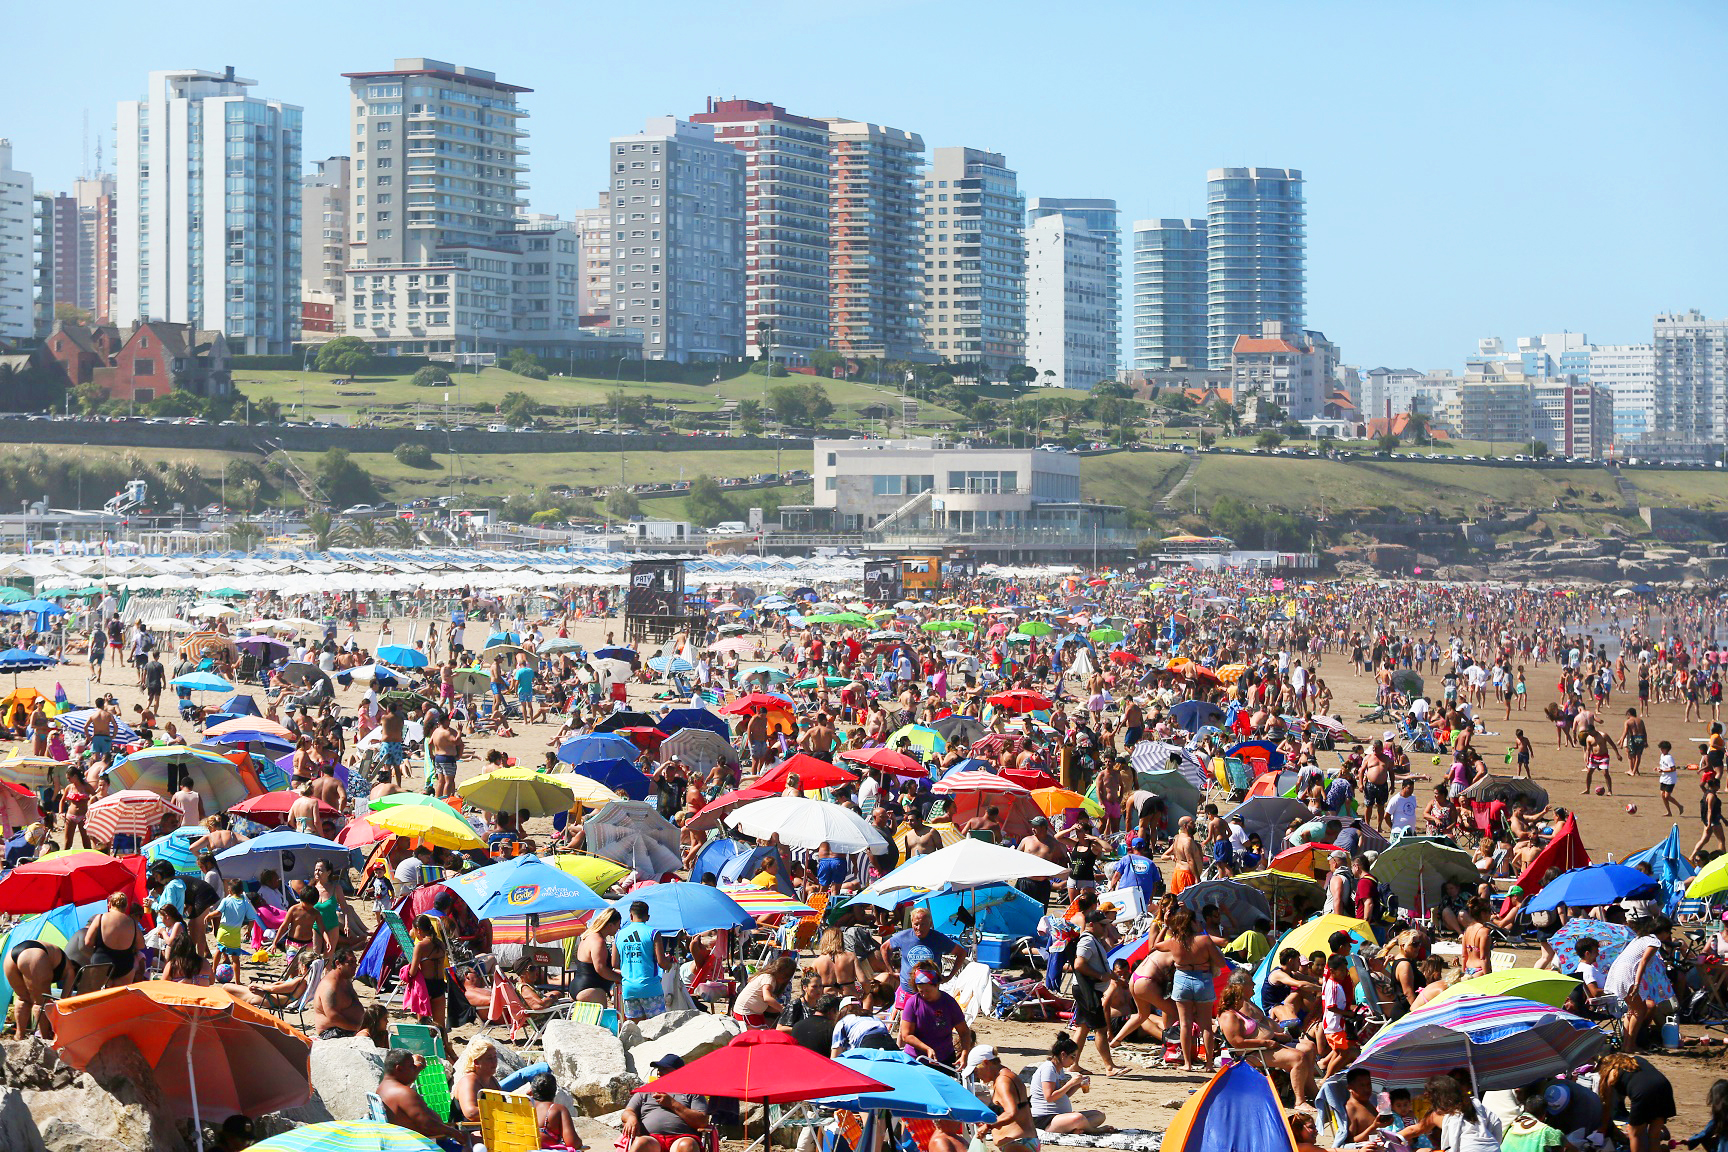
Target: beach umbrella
{"points": [[1277, 887], [20, 660], [1236, 1109], [266, 648], [882, 759], [1054, 801], [1021, 700], [584, 791], [755, 702], [680, 906], [515, 789], [966, 863], [1507, 789], [1670, 865], [249, 724], [1239, 905], [176, 849], [129, 812], [1591, 887], [932, 741], [678, 719], [671, 665], [849, 619], [377, 675], [470, 682], [597, 746], [559, 645], [765, 1066], [614, 652], [1192, 715], [1550, 988], [1416, 868], [427, 826], [299, 673], [57, 927], [773, 675], [597, 872], [402, 656], [66, 878], [958, 729], [78, 724], [1106, 635], [33, 771], [19, 806], [1269, 816], [635, 835], [766, 903], [914, 1089], [1610, 938], [811, 772], [1312, 935], [526, 886], [718, 808], [620, 776], [348, 1136], [1034, 628], [1504, 1041], [288, 851], [217, 780], [1711, 879], [211, 1053], [624, 718], [802, 823], [697, 748], [362, 833], [201, 682], [949, 626], [36, 608]]}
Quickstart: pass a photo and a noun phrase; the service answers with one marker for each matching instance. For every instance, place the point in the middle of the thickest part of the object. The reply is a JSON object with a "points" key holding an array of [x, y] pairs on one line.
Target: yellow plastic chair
{"points": [[507, 1122]]}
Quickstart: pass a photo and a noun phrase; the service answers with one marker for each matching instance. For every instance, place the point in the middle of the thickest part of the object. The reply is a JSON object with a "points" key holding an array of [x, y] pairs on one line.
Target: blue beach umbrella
{"points": [[524, 886], [286, 850], [176, 849], [685, 907], [201, 682], [680, 718], [1590, 887], [597, 746], [914, 1089], [622, 776], [403, 656]]}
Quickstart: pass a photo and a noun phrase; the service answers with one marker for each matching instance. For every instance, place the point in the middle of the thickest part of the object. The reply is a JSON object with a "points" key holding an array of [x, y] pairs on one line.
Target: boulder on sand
{"points": [[633, 1032], [589, 1063], [344, 1071], [114, 1106], [698, 1036]]}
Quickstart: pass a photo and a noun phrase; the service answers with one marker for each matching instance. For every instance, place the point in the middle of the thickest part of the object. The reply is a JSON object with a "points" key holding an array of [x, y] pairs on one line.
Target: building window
{"points": [[143, 367]]}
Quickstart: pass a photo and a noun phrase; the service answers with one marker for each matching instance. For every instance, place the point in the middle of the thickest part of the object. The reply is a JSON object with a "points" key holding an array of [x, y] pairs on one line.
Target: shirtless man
{"points": [[1042, 844], [101, 729], [446, 748], [384, 786], [1012, 1130], [1596, 747], [988, 821], [818, 738], [327, 788], [1110, 798], [921, 839], [1376, 785], [1634, 737], [391, 752], [336, 1010], [1185, 853], [756, 731]]}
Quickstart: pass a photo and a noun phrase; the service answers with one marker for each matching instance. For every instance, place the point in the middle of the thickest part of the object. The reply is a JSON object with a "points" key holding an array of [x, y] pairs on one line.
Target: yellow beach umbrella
{"points": [[515, 790], [589, 793], [428, 826], [597, 872], [1550, 988]]}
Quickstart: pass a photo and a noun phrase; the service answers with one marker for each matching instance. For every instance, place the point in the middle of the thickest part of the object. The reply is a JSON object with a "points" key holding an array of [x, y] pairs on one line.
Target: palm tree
{"points": [[359, 533], [399, 532], [321, 528]]}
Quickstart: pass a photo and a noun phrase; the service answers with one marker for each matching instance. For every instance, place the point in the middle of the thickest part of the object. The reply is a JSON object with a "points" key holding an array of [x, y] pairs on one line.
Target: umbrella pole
{"points": [[192, 1083]]}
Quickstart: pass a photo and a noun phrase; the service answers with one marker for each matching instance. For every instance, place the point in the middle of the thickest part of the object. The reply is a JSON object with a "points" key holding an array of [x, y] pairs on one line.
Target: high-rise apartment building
{"points": [[83, 250], [17, 249], [1628, 372], [1103, 219], [45, 234], [1691, 383], [1169, 294], [207, 183], [677, 199], [786, 224], [1255, 254], [1071, 330], [324, 197], [876, 257], [974, 260]]}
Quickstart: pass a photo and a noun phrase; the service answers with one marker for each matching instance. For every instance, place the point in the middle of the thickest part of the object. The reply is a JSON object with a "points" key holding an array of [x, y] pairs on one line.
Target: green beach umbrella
{"points": [[1035, 628], [1105, 635], [950, 626]]}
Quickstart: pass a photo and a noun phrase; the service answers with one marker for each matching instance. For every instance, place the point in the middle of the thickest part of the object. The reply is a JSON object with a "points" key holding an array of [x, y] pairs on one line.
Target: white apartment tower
{"points": [[17, 249], [677, 199], [207, 188], [875, 255], [786, 218], [1073, 279], [1628, 371], [1691, 382], [974, 260]]}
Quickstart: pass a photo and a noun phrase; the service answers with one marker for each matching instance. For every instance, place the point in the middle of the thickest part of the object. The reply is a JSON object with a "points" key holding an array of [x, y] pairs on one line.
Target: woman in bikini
{"points": [[1149, 986], [429, 991], [1196, 957], [1476, 960], [1246, 1029], [836, 966]]}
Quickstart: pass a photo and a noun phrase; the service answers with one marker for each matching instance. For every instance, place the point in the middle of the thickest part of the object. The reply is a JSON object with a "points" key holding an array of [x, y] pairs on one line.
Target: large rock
{"points": [[589, 1063], [32, 1063], [344, 1071], [87, 1118], [121, 1070], [18, 1131], [698, 1036], [635, 1032]]}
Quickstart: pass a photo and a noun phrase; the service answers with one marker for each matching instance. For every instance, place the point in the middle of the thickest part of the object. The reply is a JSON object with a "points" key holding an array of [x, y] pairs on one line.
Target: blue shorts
{"points": [[644, 1008], [102, 744], [390, 752], [1192, 987]]}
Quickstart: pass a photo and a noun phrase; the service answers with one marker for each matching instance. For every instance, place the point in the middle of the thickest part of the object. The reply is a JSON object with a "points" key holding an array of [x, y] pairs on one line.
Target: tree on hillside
{"points": [[622, 504], [244, 535], [1269, 439], [1538, 449], [707, 504], [627, 410], [518, 409], [1022, 374], [1387, 443], [1418, 427], [525, 363], [802, 403], [344, 355], [343, 481], [431, 376]]}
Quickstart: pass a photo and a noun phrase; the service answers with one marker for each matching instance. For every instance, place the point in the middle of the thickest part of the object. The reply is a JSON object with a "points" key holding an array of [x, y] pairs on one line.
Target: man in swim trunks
{"points": [[446, 747]]}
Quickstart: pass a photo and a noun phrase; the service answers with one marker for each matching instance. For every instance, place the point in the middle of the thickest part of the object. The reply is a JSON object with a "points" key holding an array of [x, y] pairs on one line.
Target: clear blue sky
{"points": [[1473, 168]]}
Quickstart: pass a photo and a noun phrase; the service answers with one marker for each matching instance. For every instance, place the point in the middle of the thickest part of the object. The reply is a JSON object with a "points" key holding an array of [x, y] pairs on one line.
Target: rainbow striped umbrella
{"points": [[348, 1136], [765, 903], [1504, 1041]]}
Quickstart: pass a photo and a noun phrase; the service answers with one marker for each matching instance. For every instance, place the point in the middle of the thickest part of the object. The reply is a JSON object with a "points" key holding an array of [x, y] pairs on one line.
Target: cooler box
{"points": [[995, 950]]}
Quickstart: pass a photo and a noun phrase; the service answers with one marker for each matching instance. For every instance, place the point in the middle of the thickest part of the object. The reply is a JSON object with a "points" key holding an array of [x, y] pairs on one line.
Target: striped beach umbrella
{"points": [[766, 903], [129, 812], [176, 849], [348, 1136], [1505, 1041]]}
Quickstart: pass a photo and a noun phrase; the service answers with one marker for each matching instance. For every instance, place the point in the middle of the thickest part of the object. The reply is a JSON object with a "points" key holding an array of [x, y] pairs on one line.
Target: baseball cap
{"points": [[670, 1062], [980, 1054], [1515, 890], [848, 1002], [1040, 822], [1340, 857]]}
